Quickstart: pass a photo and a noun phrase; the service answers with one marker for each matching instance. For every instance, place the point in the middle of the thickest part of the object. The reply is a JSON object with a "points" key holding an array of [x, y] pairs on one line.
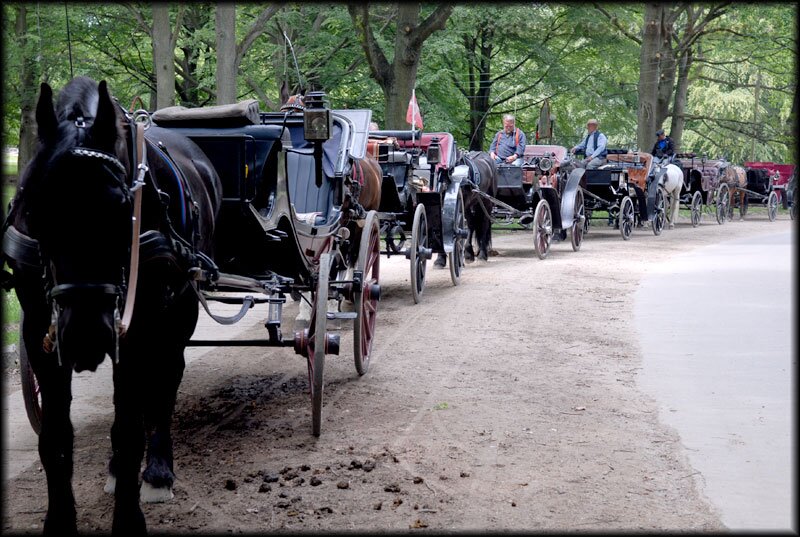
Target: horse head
{"points": [[294, 103], [76, 203]]}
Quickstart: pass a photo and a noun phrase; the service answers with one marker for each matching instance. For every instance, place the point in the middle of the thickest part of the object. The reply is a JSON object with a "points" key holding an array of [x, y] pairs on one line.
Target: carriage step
{"points": [[236, 299], [525, 219], [331, 315]]}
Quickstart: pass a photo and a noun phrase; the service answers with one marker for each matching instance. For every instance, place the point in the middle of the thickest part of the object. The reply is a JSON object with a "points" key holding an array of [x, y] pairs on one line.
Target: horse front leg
{"points": [[56, 448], [484, 240], [128, 440], [159, 475], [469, 252]]}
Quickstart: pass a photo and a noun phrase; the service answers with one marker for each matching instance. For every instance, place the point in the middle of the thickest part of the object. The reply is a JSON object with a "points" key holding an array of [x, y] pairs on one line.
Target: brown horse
{"points": [[736, 179]]}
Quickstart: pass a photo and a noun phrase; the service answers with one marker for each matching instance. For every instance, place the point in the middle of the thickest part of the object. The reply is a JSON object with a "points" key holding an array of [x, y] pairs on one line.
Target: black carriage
{"points": [[627, 189], [543, 193], [289, 225], [703, 186], [422, 205]]}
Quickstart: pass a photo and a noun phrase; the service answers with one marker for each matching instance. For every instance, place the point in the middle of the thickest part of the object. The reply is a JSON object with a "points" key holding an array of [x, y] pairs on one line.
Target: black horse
{"points": [[69, 239], [477, 209]]}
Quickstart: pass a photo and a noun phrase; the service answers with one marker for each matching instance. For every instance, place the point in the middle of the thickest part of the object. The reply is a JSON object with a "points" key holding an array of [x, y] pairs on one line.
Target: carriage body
{"points": [[545, 193], [290, 223], [705, 185], [421, 207]]}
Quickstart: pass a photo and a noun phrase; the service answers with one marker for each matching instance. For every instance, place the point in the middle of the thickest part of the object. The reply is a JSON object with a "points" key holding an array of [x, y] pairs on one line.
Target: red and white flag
{"points": [[413, 115]]}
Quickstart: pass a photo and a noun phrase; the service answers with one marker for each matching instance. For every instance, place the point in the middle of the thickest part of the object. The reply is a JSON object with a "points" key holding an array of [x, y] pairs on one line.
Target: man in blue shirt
{"points": [[594, 146], [664, 146], [508, 144]]}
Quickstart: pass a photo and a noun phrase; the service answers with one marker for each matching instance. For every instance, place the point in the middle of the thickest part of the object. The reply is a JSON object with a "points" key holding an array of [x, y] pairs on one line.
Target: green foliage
{"points": [[569, 53]]}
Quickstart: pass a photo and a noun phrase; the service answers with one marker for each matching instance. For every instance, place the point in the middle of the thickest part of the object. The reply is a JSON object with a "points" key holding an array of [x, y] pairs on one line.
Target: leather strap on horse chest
{"points": [[141, 169]]}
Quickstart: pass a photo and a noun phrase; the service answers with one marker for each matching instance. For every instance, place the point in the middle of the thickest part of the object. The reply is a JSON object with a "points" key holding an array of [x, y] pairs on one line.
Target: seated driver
{"points": [[509, 143]]}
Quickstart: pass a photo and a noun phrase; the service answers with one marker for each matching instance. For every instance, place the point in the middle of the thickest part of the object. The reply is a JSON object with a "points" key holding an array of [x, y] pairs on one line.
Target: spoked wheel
{"points": [[542, 228], [316, 343], [722, 202], [660, 216], [576, 233], [30, 387], [696, 208], [456, 258], [419, 252], [772, 206], [626, 217], [366, 297]]}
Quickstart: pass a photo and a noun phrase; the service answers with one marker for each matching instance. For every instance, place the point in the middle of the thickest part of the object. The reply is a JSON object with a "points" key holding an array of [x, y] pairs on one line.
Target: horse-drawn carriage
{"points": [[703, 186], [748, 185], [168, 212], [544, 193], [421, 197], [627, 189]]}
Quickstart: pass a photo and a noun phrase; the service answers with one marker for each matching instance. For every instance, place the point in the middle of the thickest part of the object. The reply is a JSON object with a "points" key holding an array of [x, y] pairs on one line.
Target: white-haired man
{"points": [[509, 143]]}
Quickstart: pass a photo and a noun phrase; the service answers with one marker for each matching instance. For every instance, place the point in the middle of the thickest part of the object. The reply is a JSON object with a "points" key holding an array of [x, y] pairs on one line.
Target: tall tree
{"points": [[29, 75], [397, 76], [225, 30], [164, 43]]}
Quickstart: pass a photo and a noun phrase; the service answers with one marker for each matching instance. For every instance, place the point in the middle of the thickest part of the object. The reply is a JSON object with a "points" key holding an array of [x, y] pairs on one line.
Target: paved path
{"points": [[715, 330]]}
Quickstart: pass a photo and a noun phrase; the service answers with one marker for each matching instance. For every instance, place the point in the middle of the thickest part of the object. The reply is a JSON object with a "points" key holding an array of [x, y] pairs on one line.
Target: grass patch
{"points": [[11, 316]]}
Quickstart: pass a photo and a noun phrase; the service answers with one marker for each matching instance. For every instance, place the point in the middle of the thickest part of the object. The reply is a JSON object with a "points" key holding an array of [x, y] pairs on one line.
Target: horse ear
{"points": [[46, 115], [105, 129]]}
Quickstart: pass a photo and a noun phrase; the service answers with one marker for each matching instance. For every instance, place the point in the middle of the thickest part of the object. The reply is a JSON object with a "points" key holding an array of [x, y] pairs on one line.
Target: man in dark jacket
{"points": [[664, 146]]}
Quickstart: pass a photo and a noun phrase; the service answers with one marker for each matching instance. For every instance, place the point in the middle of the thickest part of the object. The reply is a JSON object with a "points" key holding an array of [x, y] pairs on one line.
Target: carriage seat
{"points": [[223, 115], [311, 204]]}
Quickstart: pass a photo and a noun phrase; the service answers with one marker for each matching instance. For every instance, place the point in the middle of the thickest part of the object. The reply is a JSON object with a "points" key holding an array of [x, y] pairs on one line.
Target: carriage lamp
{"points": [[636, 159], [433, 153], [317, 123], [546, 163], [317, 127]]}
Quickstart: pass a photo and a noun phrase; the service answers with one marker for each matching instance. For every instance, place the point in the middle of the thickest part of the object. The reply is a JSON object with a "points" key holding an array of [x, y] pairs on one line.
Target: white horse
{"points": [[672, 182]]}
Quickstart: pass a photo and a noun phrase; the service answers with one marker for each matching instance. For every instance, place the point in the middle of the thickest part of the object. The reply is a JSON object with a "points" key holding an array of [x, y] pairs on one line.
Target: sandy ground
{"points": [[509, 402]]}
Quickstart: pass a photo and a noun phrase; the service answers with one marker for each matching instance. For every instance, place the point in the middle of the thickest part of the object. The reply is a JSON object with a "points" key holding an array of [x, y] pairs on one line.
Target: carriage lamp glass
{"points": [[317, 122], [433, 151]]}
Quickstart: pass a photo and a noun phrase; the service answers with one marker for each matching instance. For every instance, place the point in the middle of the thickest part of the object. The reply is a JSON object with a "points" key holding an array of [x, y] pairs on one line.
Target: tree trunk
{"points": [[398, 78], [226, 53], [649, 76], [163, 56], [681, 98], [480, 89], [28, 88]]}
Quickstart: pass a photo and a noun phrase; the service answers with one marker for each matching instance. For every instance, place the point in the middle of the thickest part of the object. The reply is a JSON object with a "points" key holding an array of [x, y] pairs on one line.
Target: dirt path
{"points": [[507, 403]]}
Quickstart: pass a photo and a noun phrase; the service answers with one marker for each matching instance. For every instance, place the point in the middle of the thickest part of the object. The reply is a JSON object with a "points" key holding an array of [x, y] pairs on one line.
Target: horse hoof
{"points": [[150, 494], [494, 252], [111, 485], [439, 263]]}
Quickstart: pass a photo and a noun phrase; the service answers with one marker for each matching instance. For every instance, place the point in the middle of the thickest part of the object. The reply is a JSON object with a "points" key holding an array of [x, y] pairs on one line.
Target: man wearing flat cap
{"points": [[664, 147], [594, 146]]}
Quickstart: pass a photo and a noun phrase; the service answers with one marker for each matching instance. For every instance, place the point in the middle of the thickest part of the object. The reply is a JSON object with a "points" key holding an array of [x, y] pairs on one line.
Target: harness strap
{"points": [[516, 138], [141, 167]]}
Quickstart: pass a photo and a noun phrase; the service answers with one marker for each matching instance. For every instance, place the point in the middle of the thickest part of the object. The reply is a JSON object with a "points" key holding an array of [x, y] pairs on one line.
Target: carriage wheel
{"points": [[576, 233], [772, 206], [316, 345], [366, 298], [30, 387], [696, 208], [721, 203], [626, 217], [542, 228], [418, 252], [456, 258], [660, 216]]}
